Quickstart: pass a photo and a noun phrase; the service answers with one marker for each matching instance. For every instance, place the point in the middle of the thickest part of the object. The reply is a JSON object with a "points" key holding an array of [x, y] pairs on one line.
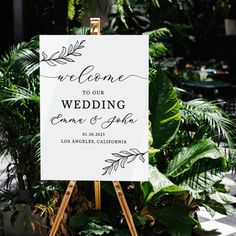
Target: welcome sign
{"points": [[94, 107]]}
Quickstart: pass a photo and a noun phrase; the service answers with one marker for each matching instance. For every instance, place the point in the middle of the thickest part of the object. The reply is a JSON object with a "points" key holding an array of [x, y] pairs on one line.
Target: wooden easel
{"points": [[95, 30]]}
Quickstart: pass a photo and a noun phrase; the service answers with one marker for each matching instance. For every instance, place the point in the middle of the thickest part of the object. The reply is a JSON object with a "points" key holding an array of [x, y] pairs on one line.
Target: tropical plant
{"points": [[186, 165], [17, 136]]}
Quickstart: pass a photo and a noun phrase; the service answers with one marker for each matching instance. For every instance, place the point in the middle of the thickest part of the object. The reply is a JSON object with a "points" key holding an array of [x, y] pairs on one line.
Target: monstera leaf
{"points": [[164, 109]]}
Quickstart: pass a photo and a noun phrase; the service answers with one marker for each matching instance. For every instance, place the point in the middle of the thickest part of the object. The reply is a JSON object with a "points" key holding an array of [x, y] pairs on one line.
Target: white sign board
{"points": [[94, 107]]}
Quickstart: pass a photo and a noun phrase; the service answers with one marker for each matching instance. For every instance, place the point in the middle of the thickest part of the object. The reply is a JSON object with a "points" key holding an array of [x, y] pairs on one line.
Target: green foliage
{"points": [[75, 10], [158, 186], [95, 229], [93, 225], [121, 4], [22, 59], [121, 10], [164, 204], [129, 17], [80, 31], [157, 49], [192, 165], [164, 108], [19, 99], [176, 219], [186, 166], [185, 159], [201, 112]]}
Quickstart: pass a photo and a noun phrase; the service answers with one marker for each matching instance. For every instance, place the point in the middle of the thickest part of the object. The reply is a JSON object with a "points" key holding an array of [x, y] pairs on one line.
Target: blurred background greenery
{"points": [[192, 111]]}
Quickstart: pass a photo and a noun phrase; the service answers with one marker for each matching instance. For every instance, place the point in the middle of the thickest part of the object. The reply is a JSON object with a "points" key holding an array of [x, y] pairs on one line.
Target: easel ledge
{"points": [[95, 30]]}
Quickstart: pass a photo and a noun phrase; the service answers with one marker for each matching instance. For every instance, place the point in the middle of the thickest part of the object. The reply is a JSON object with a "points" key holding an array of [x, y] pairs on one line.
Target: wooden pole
{"points": [[62, 207], [95, 30], [125, 208]]}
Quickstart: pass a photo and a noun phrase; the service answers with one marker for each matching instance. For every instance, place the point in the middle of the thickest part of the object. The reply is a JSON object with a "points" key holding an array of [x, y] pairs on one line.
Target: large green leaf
{"points": [[203, 175], [95, 229], [157, 179], [159, 185], [213, 207], [164, 108], [176, 219], [185, 159], [202, 182], [222, 198], [78, 220]]}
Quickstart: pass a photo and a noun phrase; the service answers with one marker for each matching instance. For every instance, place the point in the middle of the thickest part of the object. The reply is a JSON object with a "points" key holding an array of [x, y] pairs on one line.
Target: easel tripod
{"points": [[95, 30]]}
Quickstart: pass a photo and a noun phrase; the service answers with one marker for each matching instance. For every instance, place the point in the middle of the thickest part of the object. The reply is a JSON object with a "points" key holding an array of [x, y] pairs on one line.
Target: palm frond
{"points": [[80, 31], [156, 51], [22, 58], [36, 144], [200, 111], [158, 35], [27, 61], [18, 93], [71, 9], [120, 9]]}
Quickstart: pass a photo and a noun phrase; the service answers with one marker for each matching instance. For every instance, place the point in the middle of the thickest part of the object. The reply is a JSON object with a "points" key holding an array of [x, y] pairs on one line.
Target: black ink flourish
{"points": [[123, 157], [64, 56]]}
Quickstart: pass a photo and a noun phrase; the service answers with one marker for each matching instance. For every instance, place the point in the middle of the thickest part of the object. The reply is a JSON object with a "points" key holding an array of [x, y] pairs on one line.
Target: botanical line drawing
{"points": [[65, 55], [123, 157]]}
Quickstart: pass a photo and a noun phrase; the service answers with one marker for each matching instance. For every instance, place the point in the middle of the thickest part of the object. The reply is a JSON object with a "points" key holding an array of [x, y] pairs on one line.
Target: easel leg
{"points": [[62, 208], [97, 191], [95, 30], [125, 208]]}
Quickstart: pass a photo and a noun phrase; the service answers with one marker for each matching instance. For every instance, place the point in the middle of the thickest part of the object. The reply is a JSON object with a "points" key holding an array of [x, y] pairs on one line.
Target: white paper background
{"points": [[115, 55]]}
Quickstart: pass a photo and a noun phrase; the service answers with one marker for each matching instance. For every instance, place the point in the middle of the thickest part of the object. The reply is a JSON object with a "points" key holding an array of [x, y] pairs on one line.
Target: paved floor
{"points": [[220, 225]]}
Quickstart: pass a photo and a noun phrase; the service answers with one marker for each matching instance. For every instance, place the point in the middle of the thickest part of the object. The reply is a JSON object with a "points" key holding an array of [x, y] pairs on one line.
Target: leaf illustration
{"points": [[65, 55], [116, 165], [60, 62], [76, 54], [45, 56], [77, 44], [133, 158], [117, 155], [63, 52], [68, 59], [123, 157], [109, 170], [53, 55], [81, 46], [50, 63], [109, 160], [135, 150], [70, 49], [122, 163], [141, 158], [125, 152]]}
